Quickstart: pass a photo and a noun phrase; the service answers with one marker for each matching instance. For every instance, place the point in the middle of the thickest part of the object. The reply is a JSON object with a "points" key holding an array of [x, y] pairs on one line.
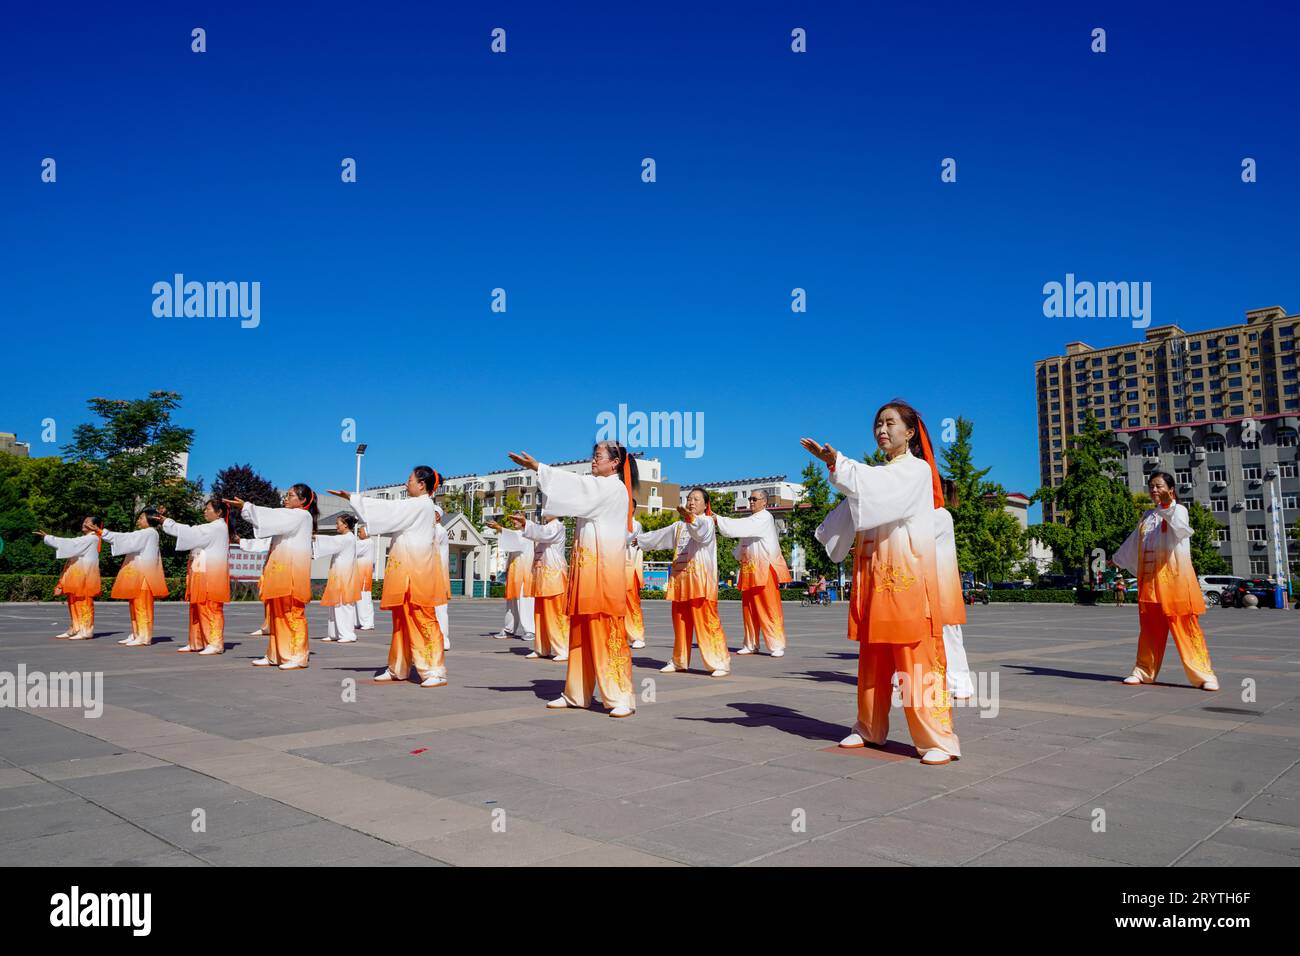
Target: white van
{"points": [[1212, 586]]}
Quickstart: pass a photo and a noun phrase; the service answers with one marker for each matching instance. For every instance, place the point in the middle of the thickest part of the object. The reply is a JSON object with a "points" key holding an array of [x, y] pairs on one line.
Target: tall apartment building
{"points": [[1219, 409]]}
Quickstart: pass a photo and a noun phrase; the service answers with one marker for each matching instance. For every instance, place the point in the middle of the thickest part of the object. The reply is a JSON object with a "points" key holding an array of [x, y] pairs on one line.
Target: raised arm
{"points": [[269, 522], [579, 496], [658, 539], [387, 517], [127, 542], [70, 547], [544, 533], [747, 527]]}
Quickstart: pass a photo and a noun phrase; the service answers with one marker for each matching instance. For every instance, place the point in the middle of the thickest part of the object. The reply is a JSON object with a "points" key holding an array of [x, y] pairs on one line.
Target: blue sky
{"points": [[522, 171]]}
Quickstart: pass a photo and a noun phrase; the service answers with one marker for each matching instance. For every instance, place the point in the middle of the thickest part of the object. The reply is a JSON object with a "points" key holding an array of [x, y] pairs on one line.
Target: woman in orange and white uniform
{"points": [[366, 570], [895, 612], [343, 584], [140, 579], [1159, 552], [693, 584], [519, 592], [762, 572], [414, 582], [207, 581], [550, 582], [80, 577], [601, 505], [286, 576]]}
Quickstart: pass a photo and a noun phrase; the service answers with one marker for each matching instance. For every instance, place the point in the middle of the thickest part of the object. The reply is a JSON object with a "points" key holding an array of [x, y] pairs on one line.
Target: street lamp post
{"points": [[361, 450]]}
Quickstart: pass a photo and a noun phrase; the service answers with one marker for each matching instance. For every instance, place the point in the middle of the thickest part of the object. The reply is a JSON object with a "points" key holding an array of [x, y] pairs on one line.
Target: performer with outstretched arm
{"points": [[80, 577], [692, 584], [140, 579], [207, 579], [1159, 552], [887, 517], [414, 583], [550, 584], [601, 505], [762, 572]]}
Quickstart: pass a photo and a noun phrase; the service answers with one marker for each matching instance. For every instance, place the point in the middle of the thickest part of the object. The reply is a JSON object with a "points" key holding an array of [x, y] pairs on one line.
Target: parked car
{"points": [[1262, 588], [1213, 585], [1058, 582], [1011, 585]]}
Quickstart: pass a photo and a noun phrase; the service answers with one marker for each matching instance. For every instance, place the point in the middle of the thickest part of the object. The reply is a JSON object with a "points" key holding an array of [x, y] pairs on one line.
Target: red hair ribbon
{"points": [[437, 481], [928, 452], [627, 483]]}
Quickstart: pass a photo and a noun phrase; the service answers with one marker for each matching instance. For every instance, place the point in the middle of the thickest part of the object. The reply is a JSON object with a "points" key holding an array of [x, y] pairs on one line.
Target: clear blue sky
{"points": [[522, 170]]}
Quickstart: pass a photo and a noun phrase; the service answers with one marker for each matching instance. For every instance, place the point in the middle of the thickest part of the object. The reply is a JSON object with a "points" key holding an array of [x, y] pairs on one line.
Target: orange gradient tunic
{"points": [[597, 597], [692, 589], [1159, 552], [414, 582], [895, 614], [550, 582], [207, 583], [343, 583]]}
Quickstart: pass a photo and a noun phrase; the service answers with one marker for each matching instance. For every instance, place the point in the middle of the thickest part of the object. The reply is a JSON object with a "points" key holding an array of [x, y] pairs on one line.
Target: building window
{"points": [[1218, 473], [1183, 476], [1287, 470], [1221, 536], [1259, 565], [1249, 472], [1254, 503], [1255, 533], [1286, 437], [1219, 504]]}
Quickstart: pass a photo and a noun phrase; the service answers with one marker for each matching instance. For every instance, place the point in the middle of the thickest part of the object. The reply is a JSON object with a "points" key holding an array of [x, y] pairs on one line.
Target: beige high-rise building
{"points": [[1219, 410]]}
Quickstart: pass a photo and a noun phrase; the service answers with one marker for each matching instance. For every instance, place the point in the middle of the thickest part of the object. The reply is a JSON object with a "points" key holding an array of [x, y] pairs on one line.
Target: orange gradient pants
{"points": [[82, 612], [763, 614], [699, 619], [598, 656], [142, 617], [551, 626], [208, 625], [417, 642], [634, 623], [923, 689], [288, 641], [1156, 626]]}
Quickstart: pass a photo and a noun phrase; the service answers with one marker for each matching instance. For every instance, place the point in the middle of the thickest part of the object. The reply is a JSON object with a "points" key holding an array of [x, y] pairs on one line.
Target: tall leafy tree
{"points": [[808, 513], [241, 481], [1094, 497], [1205, 553]]}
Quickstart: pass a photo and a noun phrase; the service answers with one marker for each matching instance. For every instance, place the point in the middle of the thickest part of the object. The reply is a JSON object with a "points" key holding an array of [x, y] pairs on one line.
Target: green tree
{"points": [[989, 540], [1094, 498], [241, 481], [1205, 553], [809, 512]]}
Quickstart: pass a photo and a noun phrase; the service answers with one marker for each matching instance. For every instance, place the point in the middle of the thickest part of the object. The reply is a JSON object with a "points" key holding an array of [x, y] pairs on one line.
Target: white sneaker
{"points": [[1210, 685], [853, 741], [384, 677], [745, 650], [259, 633], [778, 653], [446, 644], [720, 673], [292, 667], [128, 640], [347, 640], [209, 651], [261, 662], [1132, 679], [532, 657], [936, 758], [434, 682], [500, 635], [329, 640], [637, 645], [669, 668], [560, 660], [621, 712], [529, 637], [558, 704]]}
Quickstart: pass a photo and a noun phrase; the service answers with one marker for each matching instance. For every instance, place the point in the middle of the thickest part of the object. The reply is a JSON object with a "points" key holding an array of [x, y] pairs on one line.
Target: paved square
{"points": [[208, 761]]}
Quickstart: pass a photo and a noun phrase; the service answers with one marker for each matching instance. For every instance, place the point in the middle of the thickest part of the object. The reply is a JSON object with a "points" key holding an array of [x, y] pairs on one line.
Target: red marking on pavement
{"points": [[870, 753], [420, 751]]}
